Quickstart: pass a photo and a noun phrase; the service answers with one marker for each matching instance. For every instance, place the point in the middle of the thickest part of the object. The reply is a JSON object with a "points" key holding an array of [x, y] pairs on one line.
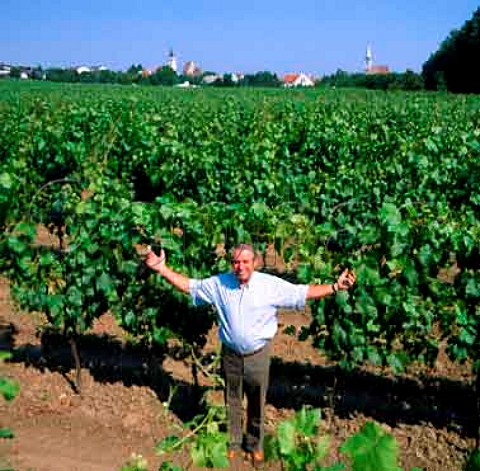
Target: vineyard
{"points": [[384, 183]]}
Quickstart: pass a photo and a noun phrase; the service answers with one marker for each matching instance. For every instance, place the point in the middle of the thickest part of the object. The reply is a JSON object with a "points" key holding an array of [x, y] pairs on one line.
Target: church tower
{"points": [[172, 61], [368, 58]]}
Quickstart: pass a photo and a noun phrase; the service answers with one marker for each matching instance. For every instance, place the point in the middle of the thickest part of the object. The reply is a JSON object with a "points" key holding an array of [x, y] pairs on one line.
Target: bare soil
{"points": [[121, 410]]}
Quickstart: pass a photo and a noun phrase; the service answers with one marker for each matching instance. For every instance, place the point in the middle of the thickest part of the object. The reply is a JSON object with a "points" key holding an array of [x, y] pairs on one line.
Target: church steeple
{"points": [[172, 61], [368, 58]]}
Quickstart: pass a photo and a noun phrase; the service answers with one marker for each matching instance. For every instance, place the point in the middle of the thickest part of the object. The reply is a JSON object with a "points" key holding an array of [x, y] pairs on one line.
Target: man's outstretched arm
{"points": [[157, 263], [344, 282]]}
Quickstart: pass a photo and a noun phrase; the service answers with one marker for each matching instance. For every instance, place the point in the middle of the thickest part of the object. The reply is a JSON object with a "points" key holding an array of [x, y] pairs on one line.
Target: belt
{"points": [[245, 355]]}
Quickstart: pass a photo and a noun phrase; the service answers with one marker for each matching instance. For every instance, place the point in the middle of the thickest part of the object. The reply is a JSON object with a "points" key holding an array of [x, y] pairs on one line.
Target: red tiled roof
{"points": [[290, 78], [378, 69]]}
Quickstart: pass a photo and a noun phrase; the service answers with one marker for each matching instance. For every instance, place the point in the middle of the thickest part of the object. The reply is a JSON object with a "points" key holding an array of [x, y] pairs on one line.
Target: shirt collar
{"points": [[249, 282]]}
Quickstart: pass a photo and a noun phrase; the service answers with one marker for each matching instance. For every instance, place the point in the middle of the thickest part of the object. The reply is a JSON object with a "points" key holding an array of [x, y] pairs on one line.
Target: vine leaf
{"points": [[372, 449]]}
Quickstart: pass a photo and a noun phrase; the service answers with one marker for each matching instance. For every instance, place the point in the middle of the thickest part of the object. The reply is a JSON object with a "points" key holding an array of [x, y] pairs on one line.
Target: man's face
{"points": [[243, 263]]}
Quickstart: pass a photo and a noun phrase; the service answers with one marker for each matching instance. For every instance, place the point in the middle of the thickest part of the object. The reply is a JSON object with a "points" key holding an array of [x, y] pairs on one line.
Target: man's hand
{"points": [[157, 263], [154, 261], [345, 281]]}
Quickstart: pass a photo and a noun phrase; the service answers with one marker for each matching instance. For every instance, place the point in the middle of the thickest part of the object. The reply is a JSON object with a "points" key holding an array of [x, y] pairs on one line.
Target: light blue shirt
{"points": [[247, 314]]}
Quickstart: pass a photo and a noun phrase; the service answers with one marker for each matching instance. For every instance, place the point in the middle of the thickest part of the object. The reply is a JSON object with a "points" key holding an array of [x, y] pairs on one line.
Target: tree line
{"points": [[407, 80], [165, 76], [453, 66], [136, 74]]}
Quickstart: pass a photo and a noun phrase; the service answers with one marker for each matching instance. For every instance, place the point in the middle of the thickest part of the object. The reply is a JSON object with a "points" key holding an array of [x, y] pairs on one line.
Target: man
{"points": [[246, 302]]}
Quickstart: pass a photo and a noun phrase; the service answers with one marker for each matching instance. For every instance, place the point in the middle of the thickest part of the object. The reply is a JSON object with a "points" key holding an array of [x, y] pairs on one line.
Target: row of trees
{"points": [[167, 77], [162, 76], [408, 80], [259, 79]]}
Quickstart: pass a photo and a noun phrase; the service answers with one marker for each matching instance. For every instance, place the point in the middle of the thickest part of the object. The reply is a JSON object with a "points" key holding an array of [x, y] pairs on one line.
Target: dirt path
{"points": [[121, 409]]}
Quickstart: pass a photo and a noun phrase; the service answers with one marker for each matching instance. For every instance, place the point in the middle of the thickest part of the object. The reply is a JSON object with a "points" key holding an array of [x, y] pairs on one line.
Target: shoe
{"points": [[257, 458], [233, 454], [234, 459]]}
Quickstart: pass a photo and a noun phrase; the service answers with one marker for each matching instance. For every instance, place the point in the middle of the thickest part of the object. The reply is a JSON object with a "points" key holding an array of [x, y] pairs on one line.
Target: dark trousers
{"points": [[246, 374]]}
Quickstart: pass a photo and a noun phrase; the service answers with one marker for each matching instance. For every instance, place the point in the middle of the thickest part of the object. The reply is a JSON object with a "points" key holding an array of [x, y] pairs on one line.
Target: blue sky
{"points": [[282, 36]]}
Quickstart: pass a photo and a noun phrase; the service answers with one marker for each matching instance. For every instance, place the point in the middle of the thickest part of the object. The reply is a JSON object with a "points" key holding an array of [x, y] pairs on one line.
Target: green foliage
{"points": [[167, 466], [164, 76], [261, 79], [204, 437], [135, 463], [299, 446], [372, 449], [452, 66], [407, 81], [210, 449], [384, 183], [473, 462], [297, 443], [6, 433], [9, 389], [7, 187]]}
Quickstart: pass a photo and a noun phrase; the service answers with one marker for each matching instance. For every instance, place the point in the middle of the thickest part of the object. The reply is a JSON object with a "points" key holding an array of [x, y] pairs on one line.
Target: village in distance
{"points": [[191, 75]]}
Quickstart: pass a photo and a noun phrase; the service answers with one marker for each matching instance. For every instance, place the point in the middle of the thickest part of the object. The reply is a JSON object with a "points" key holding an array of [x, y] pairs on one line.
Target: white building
{"points": [[298, 80], [237, 77], [83, 69], [191, 69], [185, 84], [5, 70], [209, 79]]}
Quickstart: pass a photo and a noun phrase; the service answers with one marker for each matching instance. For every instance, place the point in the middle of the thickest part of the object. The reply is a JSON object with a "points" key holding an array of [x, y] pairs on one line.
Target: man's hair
{"points": [[257, 256], [241, 248]]}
